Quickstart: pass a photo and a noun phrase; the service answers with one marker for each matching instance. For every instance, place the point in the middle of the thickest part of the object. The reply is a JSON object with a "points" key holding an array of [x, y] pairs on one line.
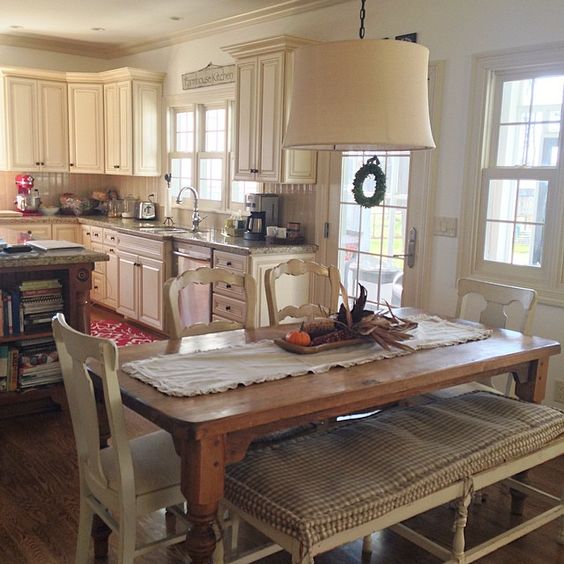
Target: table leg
{"points": [[202, 477]]}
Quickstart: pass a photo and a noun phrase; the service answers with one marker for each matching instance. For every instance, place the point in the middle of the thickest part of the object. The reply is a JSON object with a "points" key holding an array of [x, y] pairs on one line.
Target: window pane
{"points": [[239, 189], [185, 132], [531, 201], [547, 98], [211, 179], [543, 144], [502, 197], [516, 101], [181, 174], [512, 145], [215, 134], [350, 227], [527, 249], [370, 232], [499, 241], [396, 169]]}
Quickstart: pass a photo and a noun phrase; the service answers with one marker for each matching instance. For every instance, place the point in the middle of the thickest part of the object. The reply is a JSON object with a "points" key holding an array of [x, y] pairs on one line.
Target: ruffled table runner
{"points": [[219, 370]]}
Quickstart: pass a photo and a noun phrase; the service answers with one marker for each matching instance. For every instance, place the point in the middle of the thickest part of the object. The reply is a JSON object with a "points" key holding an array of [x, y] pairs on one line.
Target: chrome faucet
{"points": [[196, 218]]}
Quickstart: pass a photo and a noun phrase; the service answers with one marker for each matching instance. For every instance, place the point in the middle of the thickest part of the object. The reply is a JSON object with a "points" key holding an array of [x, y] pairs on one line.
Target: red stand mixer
{"points": [[27, 198]]}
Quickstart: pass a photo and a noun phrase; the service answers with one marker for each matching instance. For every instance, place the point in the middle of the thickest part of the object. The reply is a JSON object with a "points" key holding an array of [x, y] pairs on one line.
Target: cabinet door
{"points": [[86, 240], [127, 287], [147, 128], [53, 126], [112, 289], [20, 233], [86, 128], [245, 120], [118, 128], [151, 282], [270, 117], [67, 232], [22, 124]]}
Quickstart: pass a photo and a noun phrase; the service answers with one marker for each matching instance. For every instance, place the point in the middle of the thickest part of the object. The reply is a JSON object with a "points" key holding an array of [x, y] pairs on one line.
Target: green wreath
{"points": [[372, 166]]}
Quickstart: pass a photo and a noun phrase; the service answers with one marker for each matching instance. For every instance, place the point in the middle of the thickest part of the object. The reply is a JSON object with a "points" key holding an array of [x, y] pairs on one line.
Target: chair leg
{"points": [[85, 521], [367, 545], [235, 524], [127, 533], [460, 521]]}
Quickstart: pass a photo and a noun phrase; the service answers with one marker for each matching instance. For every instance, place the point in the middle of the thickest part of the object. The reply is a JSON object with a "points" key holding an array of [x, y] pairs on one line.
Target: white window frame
{"points": [[198, 101], [548, 279]]}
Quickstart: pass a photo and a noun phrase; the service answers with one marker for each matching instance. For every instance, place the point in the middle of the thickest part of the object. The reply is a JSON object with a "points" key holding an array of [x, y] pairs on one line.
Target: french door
{"points": [[386, 248]]}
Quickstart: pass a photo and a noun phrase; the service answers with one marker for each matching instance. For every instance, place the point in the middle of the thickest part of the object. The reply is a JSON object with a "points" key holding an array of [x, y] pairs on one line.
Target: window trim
{"points": [[548, 280]]}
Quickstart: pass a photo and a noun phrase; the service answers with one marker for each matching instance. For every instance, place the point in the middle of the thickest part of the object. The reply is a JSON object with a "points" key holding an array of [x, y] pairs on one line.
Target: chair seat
{"points": [[155, 463], [320, 485]]}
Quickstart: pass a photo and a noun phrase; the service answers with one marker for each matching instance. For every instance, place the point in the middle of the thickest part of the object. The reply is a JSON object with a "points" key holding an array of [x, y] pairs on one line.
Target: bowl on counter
{"points": [[49, 210]]}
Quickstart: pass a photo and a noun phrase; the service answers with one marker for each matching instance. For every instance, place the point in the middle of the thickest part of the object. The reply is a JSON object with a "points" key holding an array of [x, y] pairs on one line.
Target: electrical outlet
{"points": [[559, 391]]}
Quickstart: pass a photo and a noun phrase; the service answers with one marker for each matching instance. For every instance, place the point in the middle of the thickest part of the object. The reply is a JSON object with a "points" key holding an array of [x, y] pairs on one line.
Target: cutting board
{"points": [[52, 245]]}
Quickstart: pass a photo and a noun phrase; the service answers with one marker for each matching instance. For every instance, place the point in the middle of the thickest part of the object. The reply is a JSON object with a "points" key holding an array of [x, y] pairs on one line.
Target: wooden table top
{"points": [[281, 403]]}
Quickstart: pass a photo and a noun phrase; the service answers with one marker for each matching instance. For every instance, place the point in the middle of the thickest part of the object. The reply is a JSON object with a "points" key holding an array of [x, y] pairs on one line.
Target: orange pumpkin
{"points": [[297, 337]]}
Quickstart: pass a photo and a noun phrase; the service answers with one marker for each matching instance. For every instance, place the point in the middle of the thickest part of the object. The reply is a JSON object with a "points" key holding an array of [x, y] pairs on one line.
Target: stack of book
{"points": [[38, 363], [10, 369], [39, 301]]}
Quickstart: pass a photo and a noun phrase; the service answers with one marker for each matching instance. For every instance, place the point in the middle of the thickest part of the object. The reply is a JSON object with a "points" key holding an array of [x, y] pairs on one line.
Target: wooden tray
{"points": [[291, 347]]}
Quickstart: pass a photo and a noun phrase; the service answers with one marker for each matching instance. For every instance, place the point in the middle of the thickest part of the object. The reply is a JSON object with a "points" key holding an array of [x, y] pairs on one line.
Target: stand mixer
{"points": [[27, 198]]}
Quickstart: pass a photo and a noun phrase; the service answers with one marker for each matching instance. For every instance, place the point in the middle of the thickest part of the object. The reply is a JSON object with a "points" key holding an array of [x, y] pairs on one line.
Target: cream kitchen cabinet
{"points": [[66, 232], [86, 127], [34, 130], [229, 302], [143, 267], [16, 233], [132, 122], [263, 89]]}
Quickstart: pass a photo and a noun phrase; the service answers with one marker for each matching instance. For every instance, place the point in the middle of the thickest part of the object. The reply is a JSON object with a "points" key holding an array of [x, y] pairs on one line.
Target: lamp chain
{"points": [[361, 31]]}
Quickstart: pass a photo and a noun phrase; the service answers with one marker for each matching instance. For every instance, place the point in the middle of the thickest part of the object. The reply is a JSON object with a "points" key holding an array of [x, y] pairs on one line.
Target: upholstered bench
{"points": [[316, 492]]}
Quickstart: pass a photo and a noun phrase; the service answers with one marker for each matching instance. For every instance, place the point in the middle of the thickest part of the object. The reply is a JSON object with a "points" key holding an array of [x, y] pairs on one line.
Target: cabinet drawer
{"points": [[99, 266], [141, 246], [235, 292], [229, 308], [98, 292], [230, 261], [110, 237], [96, 234]]}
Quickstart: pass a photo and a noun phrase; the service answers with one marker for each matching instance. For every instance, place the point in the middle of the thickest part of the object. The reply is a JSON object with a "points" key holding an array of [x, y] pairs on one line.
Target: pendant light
{"points": [[360, 95]]}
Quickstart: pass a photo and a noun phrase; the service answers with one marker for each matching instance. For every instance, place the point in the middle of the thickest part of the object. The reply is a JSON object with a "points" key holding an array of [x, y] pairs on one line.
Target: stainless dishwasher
{"points": [[195, 300]]}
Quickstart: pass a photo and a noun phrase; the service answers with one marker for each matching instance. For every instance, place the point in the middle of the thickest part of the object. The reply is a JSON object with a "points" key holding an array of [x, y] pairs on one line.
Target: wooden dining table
{"points": [[212, 431]]}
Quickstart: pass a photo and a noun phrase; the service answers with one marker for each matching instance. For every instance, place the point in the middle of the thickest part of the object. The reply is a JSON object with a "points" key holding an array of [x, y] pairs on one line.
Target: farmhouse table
{"points": [[212, 431]]}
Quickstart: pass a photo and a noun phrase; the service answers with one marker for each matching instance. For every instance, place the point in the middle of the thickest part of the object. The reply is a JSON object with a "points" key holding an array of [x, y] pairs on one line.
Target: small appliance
{"points": [[27, 198], [256, 226], [267, 203], [146, 209]]}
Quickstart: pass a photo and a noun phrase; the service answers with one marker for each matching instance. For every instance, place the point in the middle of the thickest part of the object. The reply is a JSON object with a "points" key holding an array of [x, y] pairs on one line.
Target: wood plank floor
{"points": [[39, 508]]}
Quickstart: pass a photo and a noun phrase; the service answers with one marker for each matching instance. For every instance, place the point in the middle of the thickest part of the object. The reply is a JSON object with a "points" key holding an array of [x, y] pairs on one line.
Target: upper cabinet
{"points": [[107, 122], [33, 122], [132, 122], [263, 90]]}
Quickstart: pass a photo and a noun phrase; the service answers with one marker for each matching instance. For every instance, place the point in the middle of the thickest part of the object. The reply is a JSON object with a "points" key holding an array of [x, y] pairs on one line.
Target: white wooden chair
{"points": [[205, 275], [498, 306], [297, 267], [128, 479]]}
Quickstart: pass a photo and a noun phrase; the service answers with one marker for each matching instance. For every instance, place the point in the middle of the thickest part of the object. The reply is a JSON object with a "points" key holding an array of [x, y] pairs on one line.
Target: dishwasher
{"points": [[194, 301]]}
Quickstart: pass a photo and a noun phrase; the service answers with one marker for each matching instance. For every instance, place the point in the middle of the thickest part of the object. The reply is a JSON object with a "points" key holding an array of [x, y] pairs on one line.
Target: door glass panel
{"points": [[369, 237]]}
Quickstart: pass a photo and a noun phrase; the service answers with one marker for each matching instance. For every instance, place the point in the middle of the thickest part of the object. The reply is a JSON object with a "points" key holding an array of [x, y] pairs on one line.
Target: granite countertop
{"points": [[207, 238], [50, 258]]}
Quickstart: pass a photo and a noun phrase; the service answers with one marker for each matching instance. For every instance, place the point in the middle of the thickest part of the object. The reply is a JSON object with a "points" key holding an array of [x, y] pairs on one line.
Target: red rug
{"points": [[121, 333]]}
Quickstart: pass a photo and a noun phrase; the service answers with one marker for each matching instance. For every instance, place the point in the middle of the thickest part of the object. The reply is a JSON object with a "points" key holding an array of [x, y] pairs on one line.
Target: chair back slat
{"points": [[76, 353], [298, 267], [204, 275]]}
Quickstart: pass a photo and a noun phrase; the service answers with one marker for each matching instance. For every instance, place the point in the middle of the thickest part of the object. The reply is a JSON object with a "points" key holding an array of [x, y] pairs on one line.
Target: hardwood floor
{"points": [[39, 508]]}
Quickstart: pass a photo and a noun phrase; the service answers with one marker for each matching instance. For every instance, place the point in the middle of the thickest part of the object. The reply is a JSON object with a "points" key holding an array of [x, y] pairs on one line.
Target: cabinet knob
{"points": [[227, 308], [228, 263], [71, 164], [228, 286], [42, 163], [37, 163], [116, 166]]}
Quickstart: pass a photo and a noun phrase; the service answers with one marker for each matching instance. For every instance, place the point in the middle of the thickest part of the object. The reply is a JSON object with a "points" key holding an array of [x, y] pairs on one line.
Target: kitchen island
{"points": [[72, 268]]}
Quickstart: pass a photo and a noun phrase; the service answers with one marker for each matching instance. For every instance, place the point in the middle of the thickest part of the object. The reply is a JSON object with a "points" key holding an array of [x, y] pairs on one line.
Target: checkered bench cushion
{"points": [[316, 486]]}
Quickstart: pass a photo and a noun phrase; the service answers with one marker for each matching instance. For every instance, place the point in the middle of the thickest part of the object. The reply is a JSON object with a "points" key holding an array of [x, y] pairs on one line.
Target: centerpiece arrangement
{"points": [[350, 326]]}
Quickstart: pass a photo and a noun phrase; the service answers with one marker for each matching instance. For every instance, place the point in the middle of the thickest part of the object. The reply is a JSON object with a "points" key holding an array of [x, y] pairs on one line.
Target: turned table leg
{"points": [[202, 476]]}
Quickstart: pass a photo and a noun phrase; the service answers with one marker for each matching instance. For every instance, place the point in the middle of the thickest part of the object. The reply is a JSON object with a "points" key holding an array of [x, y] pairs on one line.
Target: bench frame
{"points": [[461, 492]]}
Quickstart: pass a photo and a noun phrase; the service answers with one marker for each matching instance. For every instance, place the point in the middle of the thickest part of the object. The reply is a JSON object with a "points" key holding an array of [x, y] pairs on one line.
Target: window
{"points": [[200, 155], [515, 198]]}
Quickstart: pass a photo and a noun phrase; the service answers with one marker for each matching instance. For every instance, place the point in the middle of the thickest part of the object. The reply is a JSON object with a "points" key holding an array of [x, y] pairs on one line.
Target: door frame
{"points": [[424, 166]]}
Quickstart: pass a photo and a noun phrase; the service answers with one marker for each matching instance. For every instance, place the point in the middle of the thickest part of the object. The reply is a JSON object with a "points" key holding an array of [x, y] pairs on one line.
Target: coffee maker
{"points": [[27, 198], [267, 203], [256, 226]]}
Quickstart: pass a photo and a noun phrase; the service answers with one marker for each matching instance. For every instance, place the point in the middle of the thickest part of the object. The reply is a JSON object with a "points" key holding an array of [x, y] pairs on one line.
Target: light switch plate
{"points": [[445, 226]]}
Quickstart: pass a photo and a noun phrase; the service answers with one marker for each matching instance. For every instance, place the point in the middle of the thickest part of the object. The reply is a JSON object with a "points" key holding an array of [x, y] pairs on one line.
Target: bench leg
{"points": [[458, 543], [518, 498], [367, 545]]}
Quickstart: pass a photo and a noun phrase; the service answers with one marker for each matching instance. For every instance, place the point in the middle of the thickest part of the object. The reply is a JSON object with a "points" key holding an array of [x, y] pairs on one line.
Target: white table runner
{"points": [[219, 370]]}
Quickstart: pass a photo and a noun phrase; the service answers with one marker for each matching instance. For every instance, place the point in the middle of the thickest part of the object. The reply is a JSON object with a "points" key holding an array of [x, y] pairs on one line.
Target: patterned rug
{"points": [[120, 332]]}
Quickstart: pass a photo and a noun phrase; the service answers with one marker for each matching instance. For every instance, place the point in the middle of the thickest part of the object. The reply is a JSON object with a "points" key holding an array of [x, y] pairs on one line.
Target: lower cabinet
{"points": [[229, 302], [143, 267], [105, 275], [67, 232], [17, 233]]}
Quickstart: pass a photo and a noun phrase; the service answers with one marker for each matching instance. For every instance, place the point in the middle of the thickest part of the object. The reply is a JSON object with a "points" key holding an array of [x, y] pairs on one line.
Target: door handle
{"points": [[410, 250]]}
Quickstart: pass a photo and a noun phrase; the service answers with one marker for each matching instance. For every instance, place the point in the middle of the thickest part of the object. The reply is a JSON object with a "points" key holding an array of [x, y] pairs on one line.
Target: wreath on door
{"points": [[371, 167]]}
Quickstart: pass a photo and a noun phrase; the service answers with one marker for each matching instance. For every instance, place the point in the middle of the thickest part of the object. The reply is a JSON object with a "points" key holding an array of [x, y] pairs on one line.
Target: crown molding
{"points": [[114, 50], [265, 46]]}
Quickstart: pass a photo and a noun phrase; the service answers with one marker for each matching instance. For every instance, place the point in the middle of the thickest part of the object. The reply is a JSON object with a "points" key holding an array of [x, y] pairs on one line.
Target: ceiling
{"points": [[109, 28]]}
